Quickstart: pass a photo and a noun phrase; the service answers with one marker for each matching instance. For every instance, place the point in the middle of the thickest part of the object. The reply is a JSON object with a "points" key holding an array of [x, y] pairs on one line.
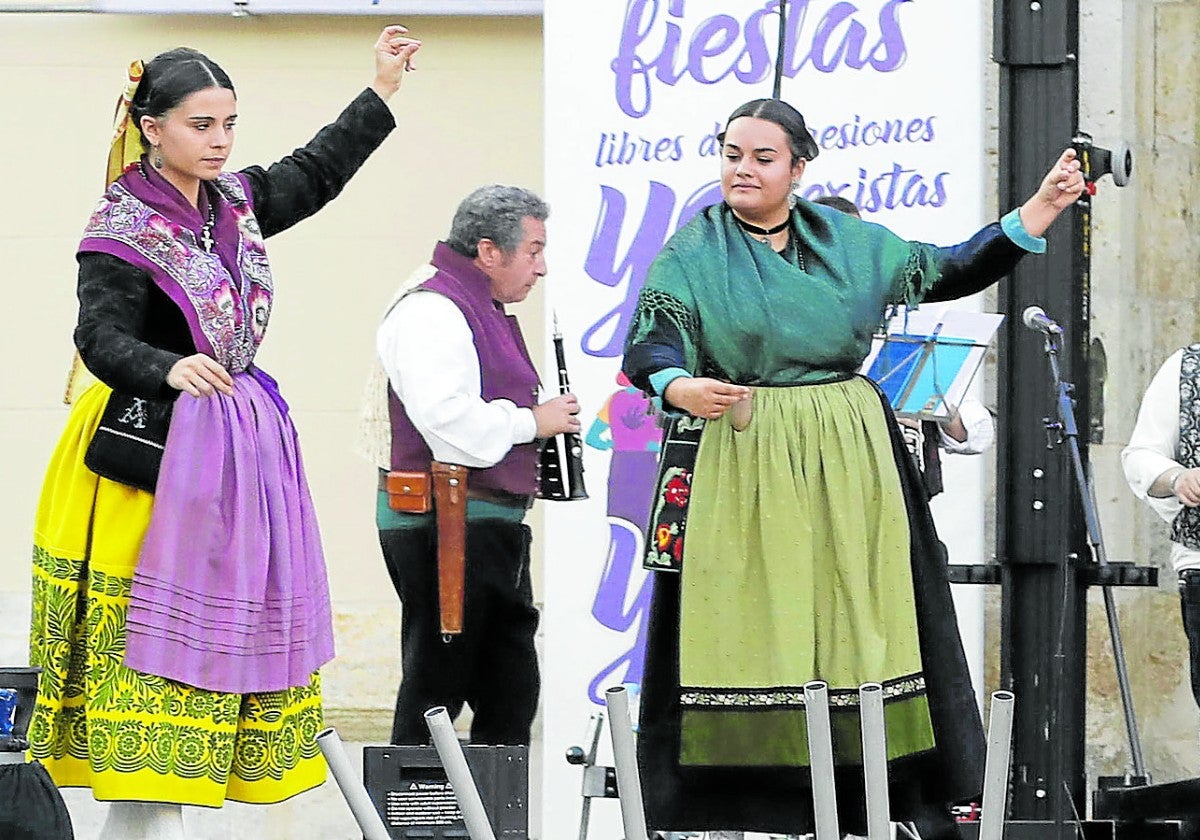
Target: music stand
{"points": [[926, 358]]}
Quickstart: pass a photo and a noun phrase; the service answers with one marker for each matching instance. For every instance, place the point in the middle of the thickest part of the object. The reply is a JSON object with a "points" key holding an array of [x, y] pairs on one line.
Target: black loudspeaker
{"points": [[409, 788]]}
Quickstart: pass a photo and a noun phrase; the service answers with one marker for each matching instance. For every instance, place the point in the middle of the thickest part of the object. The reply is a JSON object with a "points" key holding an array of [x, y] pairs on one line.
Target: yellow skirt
{"points": [[125, 734]]}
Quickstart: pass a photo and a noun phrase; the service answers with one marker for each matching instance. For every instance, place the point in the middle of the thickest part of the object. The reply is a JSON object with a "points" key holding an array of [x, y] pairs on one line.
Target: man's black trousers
{"points": [[492, 665]]}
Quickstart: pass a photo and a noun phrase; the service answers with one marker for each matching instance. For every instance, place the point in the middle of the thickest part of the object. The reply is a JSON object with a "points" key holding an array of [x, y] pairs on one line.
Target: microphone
{"points": [[1036, 319]]}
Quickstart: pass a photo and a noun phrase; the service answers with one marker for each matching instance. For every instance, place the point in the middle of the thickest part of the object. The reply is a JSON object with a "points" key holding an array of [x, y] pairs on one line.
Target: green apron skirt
{"points": [[809, 555]]}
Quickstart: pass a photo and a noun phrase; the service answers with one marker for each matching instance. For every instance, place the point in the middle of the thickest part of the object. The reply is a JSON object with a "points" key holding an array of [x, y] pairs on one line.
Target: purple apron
{"points": [[230, 592]]}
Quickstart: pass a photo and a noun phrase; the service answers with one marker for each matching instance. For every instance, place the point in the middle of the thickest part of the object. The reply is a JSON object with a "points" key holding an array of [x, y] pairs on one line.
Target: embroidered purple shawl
{"points": [[225, 295], [236, 599]]}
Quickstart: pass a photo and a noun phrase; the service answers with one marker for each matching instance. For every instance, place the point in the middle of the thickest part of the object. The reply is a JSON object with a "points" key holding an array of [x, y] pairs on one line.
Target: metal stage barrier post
{"points": [[355, 794], [875, 768], [459, 774], [996, 765], [820, 760], [629, 784]]}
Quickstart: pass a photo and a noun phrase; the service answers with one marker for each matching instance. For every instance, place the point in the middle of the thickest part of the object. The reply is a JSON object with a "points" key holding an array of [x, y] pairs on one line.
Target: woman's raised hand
{"points": [[703, 397], [199, 375], [393, 58], [1061, 187]]}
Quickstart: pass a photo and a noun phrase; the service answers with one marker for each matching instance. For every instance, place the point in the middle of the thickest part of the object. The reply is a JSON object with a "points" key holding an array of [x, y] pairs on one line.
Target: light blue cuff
{"points": [[1014, 229], [660, 380]]}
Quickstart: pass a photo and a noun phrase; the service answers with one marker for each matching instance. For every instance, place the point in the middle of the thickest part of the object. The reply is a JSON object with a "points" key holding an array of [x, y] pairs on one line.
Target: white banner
{"points": [[635, 93], [393, 8]]}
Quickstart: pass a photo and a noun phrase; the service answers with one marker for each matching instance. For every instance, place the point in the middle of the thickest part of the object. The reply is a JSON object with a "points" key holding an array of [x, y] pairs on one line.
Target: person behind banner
{"points": [[464, 393], [970, 428], [180, 628], [808, 550], [1162, 466]]}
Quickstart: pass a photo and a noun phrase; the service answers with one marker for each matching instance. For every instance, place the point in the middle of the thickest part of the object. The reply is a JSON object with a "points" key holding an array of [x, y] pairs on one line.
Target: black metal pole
{"points": [[1039, 530], [782, 44]]}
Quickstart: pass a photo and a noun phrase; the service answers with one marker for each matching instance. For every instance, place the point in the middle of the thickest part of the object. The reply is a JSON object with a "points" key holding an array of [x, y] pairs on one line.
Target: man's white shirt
{"points": [[427, 349], [1152, 447], [981, 430]]}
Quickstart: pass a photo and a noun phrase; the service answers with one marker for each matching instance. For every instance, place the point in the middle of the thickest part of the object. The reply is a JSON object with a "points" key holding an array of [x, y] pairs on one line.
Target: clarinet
{"points": [[550, 464]]}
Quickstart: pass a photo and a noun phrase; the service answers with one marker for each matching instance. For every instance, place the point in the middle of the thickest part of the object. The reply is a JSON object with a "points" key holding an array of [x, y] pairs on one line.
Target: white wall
{"points": [[471, 114]]}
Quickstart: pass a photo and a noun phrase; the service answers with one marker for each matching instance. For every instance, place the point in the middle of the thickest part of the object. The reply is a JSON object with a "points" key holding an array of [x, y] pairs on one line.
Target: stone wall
{"points": [[1146, 306], [1140, 83]]}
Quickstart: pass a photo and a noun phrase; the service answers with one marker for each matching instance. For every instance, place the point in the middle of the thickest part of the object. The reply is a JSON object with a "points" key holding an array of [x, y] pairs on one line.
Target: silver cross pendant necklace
{"points": [[206, 240]]}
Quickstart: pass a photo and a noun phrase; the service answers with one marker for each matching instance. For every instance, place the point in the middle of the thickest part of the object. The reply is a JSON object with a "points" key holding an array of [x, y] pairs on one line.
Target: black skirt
{"points": [[779, 800]]}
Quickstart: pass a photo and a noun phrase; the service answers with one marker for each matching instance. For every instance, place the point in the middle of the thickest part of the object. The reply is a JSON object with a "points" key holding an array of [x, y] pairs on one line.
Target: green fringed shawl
{"points": [[748, 315]]}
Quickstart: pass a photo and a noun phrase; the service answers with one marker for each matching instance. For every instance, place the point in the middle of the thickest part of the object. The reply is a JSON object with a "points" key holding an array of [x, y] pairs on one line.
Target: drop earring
{"points": [[156, 158], [792, 197]]}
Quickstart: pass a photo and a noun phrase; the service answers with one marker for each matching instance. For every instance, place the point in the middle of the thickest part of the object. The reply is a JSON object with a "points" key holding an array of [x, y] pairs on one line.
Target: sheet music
{"points": [[927, 357]]}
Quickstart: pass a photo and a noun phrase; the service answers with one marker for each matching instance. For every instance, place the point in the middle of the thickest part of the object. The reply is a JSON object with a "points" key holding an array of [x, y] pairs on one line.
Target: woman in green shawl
{"points": [[810, 552]]}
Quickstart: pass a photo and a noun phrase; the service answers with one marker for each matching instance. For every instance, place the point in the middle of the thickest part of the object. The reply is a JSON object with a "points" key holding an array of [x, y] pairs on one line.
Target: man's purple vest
{"points": [[506, 372]]}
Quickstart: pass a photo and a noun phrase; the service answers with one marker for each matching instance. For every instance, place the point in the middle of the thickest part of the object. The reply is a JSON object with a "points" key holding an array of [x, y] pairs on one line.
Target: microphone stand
{"points": [[1068, 431]]}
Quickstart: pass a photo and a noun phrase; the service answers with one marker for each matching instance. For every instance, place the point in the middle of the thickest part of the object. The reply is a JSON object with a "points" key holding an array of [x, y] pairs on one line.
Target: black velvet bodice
{"points": [[130, 334]]}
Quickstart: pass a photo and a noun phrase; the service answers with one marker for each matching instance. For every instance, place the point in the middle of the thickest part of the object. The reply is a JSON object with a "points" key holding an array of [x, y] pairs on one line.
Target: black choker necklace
{"points": [[760, 231]]}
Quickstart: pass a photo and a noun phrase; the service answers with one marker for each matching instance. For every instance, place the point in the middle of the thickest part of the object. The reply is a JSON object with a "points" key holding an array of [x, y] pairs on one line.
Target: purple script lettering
{"points": [[654, 44], [606, 337], [898, 186]]}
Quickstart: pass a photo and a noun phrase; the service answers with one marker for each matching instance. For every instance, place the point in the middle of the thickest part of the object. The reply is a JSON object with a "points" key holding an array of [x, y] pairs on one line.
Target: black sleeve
{"points": [[115, 300], [310, 177], [975, 264], [661, 349]]}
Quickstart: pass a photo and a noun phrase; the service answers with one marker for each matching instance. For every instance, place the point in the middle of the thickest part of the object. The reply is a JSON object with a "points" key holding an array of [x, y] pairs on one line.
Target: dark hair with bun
{"points": [[842, 205], [784, 116], [172, 77]]}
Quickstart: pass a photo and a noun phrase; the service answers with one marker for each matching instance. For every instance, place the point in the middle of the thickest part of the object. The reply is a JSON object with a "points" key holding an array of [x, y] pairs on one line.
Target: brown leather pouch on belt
{"points": [[409, 491], [450, 497]]}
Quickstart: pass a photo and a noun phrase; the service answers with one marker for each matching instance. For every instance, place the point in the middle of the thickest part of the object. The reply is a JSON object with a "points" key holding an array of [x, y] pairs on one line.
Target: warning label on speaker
{"points": [[423, 803]]}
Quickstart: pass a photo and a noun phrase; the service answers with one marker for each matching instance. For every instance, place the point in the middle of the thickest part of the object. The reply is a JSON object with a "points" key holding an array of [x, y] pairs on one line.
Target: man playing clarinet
{"points": [[464, 413]]}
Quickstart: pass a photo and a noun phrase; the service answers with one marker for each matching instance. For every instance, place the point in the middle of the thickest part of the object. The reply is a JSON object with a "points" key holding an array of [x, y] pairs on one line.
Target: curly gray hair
{"points": [[494, 212]]}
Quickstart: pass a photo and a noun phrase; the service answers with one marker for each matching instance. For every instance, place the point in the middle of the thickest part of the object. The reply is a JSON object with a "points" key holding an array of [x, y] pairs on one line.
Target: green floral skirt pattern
{"points": [[125, 734]]}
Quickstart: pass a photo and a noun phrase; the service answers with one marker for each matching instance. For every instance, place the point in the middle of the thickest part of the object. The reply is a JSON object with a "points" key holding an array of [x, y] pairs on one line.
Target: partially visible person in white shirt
{"points": [[970, 429], [1162, 466]]}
